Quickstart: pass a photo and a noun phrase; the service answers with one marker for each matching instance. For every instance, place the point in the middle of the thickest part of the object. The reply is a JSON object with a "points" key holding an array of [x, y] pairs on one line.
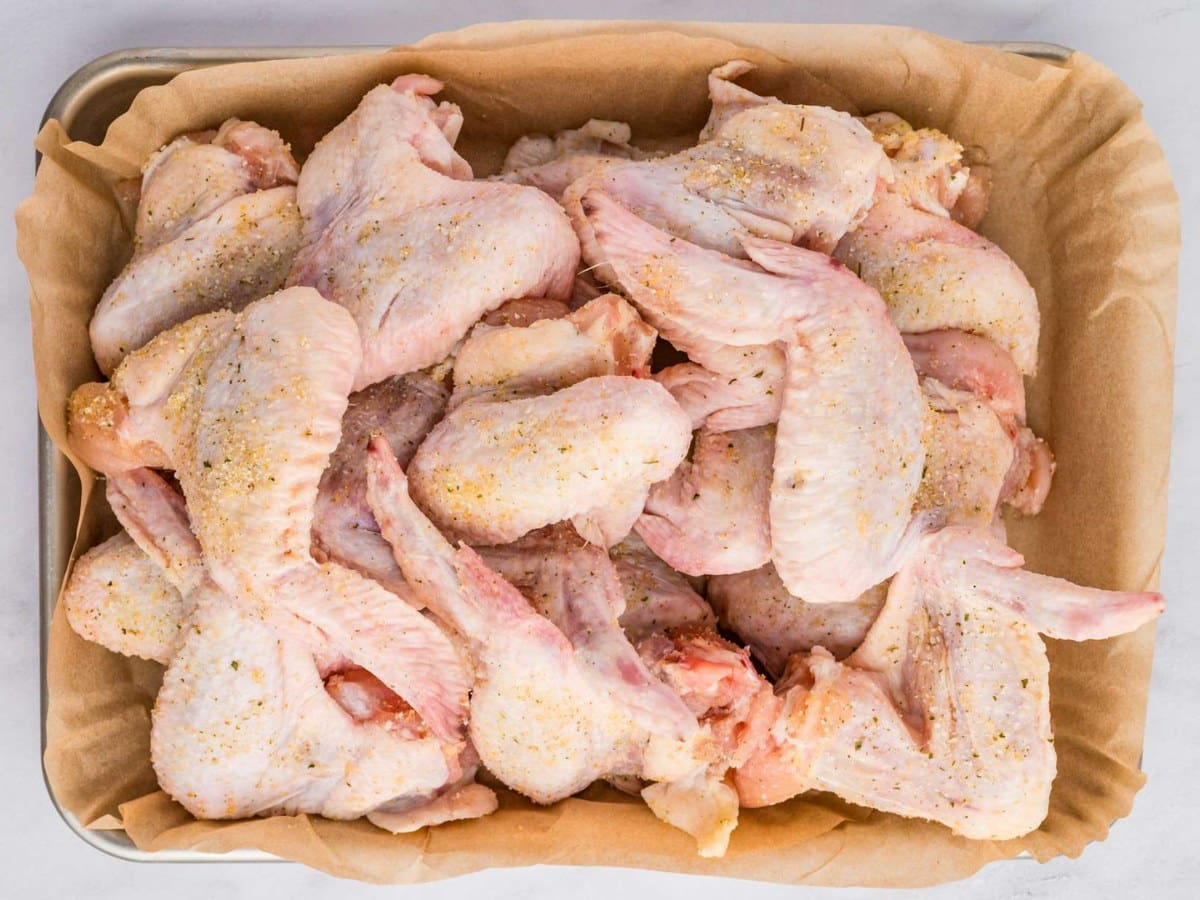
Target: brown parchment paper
{"points": [[1082, 200]]}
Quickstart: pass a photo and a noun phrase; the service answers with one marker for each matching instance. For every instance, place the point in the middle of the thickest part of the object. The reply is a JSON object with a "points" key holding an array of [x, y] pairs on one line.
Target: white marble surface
{"points": [[1151, 44]]}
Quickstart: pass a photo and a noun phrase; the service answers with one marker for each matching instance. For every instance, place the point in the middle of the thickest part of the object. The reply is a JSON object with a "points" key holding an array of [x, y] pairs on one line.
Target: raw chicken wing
{"points": [[804, 174], [605, 336], [118, 597], [417, 254], [542, 721], [968, 455], [217, 227], [251, 720], [929, 171], [943, 712], [729, 98], [848, 455], [492, 471], [934, 273], [550, 164], [958, 371], [966, 362], [575, 585], [247, 409], [926, 164]]}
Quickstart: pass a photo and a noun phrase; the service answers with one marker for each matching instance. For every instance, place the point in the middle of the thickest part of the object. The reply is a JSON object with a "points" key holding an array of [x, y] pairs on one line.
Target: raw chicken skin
{"points": [[247, 409], [605, 336], [657, 598], [968, 455], [967, 362], [404, 409], [217, 227], [848, 454], [462, 799], [951, 363], [417, 256], [183, 183], [492, 471], [758, 609], [727, 388], [711, 516], [934, 273], [541, 721], [525, 311], [118, 597], [943, 712]]}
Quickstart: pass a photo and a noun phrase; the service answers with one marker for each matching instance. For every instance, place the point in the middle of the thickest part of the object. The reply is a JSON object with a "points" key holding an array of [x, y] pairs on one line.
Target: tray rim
{"points": [[54, 469]]}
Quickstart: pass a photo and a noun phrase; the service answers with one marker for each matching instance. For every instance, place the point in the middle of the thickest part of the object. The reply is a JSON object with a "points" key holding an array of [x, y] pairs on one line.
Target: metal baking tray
{"points": [[86, 104]]}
